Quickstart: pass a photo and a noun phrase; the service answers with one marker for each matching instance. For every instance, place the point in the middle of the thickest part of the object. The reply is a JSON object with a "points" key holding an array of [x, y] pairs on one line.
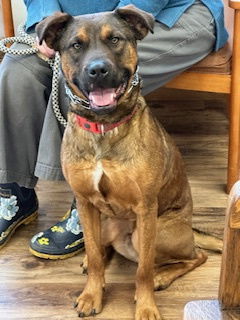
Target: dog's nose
{"points": [[97, 69]]}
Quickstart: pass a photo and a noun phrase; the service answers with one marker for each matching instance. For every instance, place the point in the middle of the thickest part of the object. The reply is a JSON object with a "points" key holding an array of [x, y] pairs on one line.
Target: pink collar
{"points": [[100, 128]]}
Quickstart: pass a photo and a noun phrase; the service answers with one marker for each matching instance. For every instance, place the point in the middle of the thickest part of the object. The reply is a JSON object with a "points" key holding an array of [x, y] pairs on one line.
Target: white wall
{"points": [[19, 12]]}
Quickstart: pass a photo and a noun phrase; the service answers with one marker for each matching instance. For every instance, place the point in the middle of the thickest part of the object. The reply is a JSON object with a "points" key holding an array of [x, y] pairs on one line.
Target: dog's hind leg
{"points": [[175, 248], [166, 274]]}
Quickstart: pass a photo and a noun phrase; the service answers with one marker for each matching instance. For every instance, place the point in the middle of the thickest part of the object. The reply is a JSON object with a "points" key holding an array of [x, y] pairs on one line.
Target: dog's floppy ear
{"points": [[51, 28], [140, 21]]}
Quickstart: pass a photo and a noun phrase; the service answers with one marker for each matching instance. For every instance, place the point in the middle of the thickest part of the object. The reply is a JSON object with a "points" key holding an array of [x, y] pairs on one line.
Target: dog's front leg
{"points": [[146, 230], [90, 301]]}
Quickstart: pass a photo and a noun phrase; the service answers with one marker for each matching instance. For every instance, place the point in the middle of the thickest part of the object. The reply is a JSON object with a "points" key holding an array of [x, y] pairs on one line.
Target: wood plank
{"points": [[201, 82], [234, 132], [167, 94]]}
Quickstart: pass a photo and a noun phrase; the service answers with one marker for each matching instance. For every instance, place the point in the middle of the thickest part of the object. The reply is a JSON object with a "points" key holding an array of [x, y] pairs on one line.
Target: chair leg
{"points": [[234, 138], [234, 126], [229, 288]]}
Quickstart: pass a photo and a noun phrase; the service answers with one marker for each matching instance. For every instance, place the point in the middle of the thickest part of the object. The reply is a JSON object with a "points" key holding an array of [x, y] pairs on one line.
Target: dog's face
{"points": [[98, 52]]}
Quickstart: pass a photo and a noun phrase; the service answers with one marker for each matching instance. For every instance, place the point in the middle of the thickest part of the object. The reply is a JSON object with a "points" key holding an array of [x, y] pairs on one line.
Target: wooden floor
{"points": [[32, 288]]}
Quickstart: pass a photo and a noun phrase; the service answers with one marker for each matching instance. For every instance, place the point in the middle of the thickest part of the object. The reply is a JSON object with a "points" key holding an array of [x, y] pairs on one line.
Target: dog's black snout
{"points": [[97, 69]]}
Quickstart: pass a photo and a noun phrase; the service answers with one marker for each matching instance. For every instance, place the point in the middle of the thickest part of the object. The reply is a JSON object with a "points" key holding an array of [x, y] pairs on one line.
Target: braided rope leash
{"points": [[54, 64], [55, 90]]}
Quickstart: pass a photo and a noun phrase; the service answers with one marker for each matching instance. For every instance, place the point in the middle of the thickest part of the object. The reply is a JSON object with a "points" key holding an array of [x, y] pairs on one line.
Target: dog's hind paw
{"points": [[161, 283]]}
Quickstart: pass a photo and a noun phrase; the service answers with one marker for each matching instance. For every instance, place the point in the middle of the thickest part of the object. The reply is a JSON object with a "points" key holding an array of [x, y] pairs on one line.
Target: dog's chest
{"points": [[112, 194], [97, 175]]}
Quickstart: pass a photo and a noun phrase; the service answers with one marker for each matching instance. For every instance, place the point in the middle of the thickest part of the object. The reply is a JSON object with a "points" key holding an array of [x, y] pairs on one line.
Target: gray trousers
{"points": [[30, 135]]}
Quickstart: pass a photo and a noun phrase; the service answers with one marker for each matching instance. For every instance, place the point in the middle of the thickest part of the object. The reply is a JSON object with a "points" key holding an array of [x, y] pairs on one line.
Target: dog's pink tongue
{"points": [[102, 97]]}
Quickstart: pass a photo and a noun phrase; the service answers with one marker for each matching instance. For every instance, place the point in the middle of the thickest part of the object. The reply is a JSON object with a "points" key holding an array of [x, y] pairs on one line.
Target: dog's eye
{"points": [[115, 40], [77, 45]]}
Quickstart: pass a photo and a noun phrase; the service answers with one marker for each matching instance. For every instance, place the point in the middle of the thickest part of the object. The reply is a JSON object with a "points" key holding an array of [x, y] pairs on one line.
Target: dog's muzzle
{"points": [[103, 100]]}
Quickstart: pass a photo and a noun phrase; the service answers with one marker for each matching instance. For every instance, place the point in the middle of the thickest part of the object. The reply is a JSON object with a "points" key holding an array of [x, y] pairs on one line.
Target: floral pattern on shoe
{"points": [[73, 223], [8, 208], [62, 240], [43, 241], [57, 229], [38, 235]]}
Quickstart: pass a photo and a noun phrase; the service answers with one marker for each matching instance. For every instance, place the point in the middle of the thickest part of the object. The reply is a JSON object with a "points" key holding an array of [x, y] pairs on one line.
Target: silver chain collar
{"points": [[75, 99]]}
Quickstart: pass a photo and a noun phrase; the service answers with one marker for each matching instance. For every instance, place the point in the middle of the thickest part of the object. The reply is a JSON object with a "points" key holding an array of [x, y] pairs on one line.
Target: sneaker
{"points": [[61, 241], [18, 205]]}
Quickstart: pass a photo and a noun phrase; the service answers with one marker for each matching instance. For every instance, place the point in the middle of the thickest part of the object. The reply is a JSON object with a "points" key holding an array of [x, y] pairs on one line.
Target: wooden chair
{"points": [[219, 72], [227, 306]]}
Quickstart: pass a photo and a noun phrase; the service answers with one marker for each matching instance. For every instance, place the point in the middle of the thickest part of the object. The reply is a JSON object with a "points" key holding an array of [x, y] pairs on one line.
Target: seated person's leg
{"points": [[25, 90], [25, 84], [65, 238], [168, 52]]}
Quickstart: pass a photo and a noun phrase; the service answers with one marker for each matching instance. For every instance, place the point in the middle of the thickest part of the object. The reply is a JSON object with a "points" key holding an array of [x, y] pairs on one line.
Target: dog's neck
{"points": [[87, 144], [100, 128]]}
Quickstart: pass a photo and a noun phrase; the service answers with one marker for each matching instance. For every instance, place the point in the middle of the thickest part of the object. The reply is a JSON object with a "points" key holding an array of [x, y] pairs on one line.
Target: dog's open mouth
{"points": [[105, 99]]}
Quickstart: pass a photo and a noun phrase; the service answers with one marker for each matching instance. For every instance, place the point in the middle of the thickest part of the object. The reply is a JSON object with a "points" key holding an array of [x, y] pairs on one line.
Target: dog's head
{"points": [[98, 52]]}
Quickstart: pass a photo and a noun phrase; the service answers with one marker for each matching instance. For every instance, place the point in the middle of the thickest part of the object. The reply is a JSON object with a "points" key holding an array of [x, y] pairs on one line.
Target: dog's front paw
{"points": [[147, 312], [89, 304]]}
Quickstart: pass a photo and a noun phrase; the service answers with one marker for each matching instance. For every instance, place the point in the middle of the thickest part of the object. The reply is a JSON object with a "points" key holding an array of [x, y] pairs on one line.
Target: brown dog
{"points": [[126, 173]]}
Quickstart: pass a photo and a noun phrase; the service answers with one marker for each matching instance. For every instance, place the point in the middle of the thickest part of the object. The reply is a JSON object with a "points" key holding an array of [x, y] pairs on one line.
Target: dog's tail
{"points": [[206, 241]]}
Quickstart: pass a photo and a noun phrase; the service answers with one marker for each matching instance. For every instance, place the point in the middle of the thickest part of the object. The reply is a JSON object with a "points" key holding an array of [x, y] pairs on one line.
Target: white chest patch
{"points": [[97, 175]]}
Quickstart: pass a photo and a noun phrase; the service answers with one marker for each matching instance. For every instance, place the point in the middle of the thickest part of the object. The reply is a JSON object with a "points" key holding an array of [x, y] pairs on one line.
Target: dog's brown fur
{"points": [[131, 188]]}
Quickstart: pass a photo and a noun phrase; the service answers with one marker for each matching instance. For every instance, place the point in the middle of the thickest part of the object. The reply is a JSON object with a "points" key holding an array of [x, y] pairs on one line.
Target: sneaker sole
{"points": [[54, 256], [25, 221]]}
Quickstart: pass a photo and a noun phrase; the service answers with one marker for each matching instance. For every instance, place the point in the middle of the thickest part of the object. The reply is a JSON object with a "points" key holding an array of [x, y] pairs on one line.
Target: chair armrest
{"points": [[234, 4]]}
